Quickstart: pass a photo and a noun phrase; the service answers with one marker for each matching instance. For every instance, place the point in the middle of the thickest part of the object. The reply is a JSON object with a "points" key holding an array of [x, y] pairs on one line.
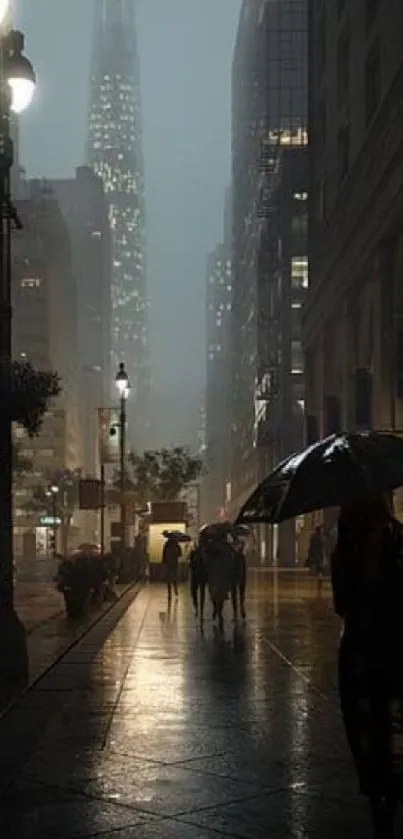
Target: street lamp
{"points": [[52, 493], [16, 76], [20, 73], [123, 386]]}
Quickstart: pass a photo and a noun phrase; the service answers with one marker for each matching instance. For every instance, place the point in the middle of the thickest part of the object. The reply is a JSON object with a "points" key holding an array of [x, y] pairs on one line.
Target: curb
{"points": [[133, 588]]}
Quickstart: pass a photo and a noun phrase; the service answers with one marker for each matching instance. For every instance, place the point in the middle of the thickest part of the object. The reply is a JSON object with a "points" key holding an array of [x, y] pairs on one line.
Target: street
{"points": [[162, 731]]}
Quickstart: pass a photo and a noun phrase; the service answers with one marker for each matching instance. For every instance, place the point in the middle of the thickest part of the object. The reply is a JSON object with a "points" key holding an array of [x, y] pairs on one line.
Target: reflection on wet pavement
{"points": [[177, 733]]}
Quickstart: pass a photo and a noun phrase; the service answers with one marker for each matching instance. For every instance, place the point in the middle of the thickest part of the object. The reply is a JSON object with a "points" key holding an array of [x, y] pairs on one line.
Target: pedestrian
{"points": [[170, 559], [238, 586], [316, 556], [220, 567], [198, 580], [367, 580]]}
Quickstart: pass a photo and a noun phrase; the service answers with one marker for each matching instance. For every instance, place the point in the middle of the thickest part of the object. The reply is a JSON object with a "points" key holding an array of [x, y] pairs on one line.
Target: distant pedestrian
{"points": [[316, 556], [219, 565], [170, 559], [198, 580], [238, 586], [367, 580]]}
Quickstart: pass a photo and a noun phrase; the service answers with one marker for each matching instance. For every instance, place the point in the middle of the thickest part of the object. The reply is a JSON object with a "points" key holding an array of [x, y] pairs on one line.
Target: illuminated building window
{"points": [[297, 358], [299, 272], [31, 282]]}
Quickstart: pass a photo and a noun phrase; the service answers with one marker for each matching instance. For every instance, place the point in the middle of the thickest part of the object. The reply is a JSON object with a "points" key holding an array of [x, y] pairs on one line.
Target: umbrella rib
{"points": [[283, 499]]}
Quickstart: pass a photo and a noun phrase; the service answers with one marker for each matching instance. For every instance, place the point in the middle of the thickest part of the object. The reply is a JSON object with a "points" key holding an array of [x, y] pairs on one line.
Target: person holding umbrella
{"points": [[171, 555], [198, 579], [367, 579], [357, 472], [219, 557]]}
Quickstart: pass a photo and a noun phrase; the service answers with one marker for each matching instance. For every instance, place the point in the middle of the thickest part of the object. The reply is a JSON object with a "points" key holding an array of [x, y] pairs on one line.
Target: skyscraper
{"points": [[269, 124], [114, 150]]}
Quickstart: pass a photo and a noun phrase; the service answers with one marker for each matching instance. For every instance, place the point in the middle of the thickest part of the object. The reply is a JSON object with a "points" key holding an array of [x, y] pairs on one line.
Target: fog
{"points": [[185, 51]]}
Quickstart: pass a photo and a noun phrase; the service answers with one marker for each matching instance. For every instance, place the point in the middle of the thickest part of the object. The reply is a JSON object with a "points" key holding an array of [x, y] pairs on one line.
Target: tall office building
{"points": [[114, 150], [353, 321], [84, 208], [269, 116], [45, 334]]}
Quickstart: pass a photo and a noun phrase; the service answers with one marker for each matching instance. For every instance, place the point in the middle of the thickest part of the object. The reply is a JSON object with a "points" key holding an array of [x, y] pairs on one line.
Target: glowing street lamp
{"points": [[18, 71]]}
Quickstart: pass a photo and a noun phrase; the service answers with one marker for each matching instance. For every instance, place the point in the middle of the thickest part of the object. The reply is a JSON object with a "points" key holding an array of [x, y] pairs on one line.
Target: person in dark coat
{"points": [[238, 586], [220, 572], [367, 580], [170, 559], [198, 579]]}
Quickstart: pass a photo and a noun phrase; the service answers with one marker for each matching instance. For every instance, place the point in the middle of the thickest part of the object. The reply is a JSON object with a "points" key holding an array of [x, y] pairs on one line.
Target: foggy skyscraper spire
{"points": [[114, 150]]}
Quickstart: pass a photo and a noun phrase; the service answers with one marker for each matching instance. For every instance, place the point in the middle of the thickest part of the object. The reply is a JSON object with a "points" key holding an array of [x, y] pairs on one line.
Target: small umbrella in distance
{"points": [[339, 470], [178, 535]]}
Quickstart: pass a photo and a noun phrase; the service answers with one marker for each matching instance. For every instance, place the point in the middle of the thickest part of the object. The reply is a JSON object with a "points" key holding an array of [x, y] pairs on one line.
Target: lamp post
{"points": [[123, 386], [52, 493], [17, 84]]}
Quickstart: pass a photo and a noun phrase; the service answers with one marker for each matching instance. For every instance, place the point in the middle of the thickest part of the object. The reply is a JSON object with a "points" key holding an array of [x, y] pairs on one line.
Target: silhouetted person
{"points": [[219, 565], [198, 580], [367, 580], [238, 586], [170, 558]]}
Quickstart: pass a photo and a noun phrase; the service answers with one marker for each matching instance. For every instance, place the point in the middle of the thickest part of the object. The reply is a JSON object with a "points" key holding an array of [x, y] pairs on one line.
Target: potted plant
{"points": [[75, 581]]}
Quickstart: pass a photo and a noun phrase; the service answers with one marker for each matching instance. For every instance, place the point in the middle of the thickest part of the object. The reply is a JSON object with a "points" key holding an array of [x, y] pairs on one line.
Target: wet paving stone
{"points": [[170, 732]]}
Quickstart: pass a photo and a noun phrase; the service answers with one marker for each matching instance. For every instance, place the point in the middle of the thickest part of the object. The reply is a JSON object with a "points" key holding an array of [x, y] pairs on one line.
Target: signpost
{"points": [[109, 453], [108, 435]]}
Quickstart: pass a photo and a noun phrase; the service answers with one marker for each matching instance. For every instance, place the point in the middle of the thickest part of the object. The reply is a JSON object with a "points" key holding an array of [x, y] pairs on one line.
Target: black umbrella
{"points": [[339, 470], [177, 535], [216, 530]]}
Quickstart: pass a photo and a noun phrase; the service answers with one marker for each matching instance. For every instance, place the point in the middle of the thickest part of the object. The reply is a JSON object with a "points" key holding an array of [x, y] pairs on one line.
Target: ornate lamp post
{"points": [[123, 386], [17, 85]]}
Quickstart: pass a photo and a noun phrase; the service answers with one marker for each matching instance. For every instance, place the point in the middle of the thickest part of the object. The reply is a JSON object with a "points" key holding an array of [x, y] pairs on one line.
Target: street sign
{"points": [[90, 494], [49, 521], [108, 435]]}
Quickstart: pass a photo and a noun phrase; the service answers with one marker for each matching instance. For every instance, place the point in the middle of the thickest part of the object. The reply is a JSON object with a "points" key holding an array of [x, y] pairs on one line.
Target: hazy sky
{"points": [[186, 52]]}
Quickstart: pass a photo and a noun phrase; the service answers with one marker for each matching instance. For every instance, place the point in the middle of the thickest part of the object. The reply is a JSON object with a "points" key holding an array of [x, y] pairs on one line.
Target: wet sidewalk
{"points": [[160, 730]]}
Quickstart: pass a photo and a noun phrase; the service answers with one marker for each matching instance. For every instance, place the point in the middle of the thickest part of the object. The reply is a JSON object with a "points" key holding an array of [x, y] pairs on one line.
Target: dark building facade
{"points": [[353, 321], [280, 402], [45, 334], [114, 150], [84, 208], [269, 115]]}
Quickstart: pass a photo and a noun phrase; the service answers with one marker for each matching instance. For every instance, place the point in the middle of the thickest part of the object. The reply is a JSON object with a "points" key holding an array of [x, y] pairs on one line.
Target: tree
{"points": [[25, 393], [161, 474]]}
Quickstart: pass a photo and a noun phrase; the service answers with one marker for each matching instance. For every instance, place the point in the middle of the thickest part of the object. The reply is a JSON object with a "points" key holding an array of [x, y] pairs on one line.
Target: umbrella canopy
{"points": [[178, 535], [216, 530], [336, 471]]}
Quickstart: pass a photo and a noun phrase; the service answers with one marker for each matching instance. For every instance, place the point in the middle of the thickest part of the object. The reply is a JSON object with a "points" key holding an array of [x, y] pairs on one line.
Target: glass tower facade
{"points": [[114, 150]]}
